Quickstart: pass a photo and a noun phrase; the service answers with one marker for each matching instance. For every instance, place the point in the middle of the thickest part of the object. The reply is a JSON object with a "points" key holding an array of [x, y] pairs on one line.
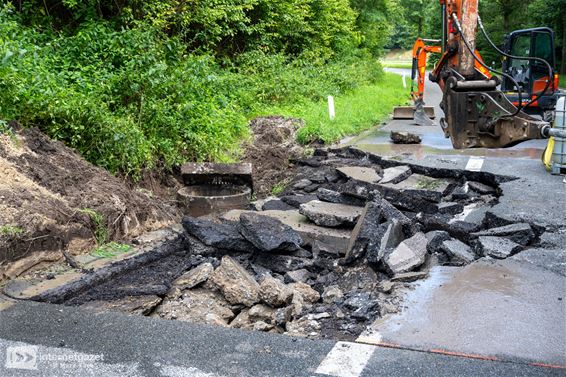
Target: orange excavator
{"points": [[482, 110]]}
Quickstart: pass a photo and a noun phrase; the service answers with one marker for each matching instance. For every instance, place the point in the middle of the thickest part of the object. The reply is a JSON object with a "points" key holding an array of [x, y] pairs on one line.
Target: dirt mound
{"points": [[274, 144], [52, 199]]}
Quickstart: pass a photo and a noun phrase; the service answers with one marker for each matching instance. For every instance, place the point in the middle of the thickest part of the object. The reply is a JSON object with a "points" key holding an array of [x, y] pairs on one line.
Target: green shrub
{"points": [[100, 229], [123, 99], [128, 98]]}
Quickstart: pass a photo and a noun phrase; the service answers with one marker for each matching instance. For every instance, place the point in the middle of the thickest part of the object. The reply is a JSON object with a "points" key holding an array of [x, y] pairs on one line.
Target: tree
{"points": [[552, 13], [412, 19], [374, 23]]}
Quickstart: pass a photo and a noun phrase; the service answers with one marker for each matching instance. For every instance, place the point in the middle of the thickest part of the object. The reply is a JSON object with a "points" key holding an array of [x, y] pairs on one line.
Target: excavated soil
{"points": [[272, 148], [45, 188]]}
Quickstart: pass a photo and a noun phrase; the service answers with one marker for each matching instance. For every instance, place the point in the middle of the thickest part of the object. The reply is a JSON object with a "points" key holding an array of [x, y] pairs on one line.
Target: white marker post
{"points": [[331, 111], [404, 82]]}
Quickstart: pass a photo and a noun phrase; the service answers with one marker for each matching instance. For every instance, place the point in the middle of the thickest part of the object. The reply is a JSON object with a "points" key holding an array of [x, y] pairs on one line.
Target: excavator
{"points": [[483, 107]]}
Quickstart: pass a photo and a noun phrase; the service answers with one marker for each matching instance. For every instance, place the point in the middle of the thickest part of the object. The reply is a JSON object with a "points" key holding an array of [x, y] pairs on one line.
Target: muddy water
{"points": [[494, 308], [420, 151]]}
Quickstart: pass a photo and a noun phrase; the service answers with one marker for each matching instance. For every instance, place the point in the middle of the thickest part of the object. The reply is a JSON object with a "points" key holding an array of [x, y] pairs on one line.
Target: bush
{"points": [[123, 99], [131, 98]]}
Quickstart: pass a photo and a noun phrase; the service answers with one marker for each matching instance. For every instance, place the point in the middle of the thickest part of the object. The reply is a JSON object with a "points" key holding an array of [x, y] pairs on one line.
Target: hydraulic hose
{"points": [[529, 58], [469, 47]]}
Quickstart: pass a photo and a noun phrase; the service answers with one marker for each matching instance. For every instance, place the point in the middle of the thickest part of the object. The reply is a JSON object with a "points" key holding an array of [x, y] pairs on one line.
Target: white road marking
{"points": [[475, 163], [173, 371], [346, 360]]}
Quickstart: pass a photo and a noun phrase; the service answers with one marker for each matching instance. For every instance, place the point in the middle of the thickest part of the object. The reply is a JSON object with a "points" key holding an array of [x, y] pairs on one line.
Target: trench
{"points": [[342, 274]]}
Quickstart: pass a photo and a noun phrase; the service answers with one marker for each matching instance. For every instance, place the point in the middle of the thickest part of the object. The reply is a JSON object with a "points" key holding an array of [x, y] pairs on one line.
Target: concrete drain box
{"points": [[215, 188]]}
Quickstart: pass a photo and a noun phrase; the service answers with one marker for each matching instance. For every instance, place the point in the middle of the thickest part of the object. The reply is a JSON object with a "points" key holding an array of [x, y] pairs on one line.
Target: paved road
{"points": [[512, 309], [134, 346]]}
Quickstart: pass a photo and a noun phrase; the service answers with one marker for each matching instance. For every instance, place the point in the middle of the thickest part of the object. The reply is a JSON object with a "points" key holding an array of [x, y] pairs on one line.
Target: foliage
{"points": [[224, 27], [11, 231], [131, 97], [374, 23], [110, 250], [356, 111], [279, 187], [412, 19], [123, 99], [100, 230]]}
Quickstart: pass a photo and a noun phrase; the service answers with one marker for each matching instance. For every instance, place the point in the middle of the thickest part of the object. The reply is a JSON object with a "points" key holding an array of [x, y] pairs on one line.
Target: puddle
{"points": [[420, 151], [501, 309], [433, 140]]}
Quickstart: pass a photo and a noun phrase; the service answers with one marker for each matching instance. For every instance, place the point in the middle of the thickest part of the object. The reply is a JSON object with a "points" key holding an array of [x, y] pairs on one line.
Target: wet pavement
{"points": [[434, 142], [68, 341], [499, 310]]}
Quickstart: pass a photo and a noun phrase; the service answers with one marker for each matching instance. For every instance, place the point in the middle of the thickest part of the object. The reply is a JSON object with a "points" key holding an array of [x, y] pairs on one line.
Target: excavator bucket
{"points": [[403, 112], [421, 118], [421, 114]]}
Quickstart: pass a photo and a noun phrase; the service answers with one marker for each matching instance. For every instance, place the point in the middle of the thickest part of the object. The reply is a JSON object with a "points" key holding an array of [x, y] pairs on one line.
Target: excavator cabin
{"points": [[531, 76]]}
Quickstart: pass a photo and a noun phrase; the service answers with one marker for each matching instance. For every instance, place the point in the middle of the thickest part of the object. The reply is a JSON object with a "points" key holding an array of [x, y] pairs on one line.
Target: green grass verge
{"points": [[356, 111], [562, 83], [396, 64]]}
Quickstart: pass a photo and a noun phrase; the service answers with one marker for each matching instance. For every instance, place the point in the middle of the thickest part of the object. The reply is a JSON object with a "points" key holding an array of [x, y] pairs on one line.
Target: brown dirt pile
{"points": [[273, 145], [45, 188]]}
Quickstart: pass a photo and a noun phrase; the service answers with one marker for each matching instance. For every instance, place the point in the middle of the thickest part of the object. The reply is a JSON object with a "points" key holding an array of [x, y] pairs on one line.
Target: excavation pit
{"points": [[278, 271], [206, 199]]}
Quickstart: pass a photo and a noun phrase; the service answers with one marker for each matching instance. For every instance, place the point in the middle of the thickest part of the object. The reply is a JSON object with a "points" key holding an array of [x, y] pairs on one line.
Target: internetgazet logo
{"points": [[23, 357]]}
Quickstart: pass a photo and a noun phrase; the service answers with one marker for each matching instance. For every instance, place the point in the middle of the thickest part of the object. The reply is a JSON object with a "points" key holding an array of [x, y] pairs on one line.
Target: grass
{"points": [[100, 230], [398, 59], [562, 83], [11, 231], [356, 111], [279, 187], [110, 250], [396, 64]]}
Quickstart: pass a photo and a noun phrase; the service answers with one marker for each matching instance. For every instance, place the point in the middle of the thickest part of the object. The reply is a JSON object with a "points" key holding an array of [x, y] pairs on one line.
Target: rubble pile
{"points": [[330, 254], [325, 258]]}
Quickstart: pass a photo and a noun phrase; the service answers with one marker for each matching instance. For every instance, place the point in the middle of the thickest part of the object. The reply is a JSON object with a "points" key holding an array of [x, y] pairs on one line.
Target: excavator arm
{"points": [[420, 52], [477, 114], [420, 113], [420, 56]]}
